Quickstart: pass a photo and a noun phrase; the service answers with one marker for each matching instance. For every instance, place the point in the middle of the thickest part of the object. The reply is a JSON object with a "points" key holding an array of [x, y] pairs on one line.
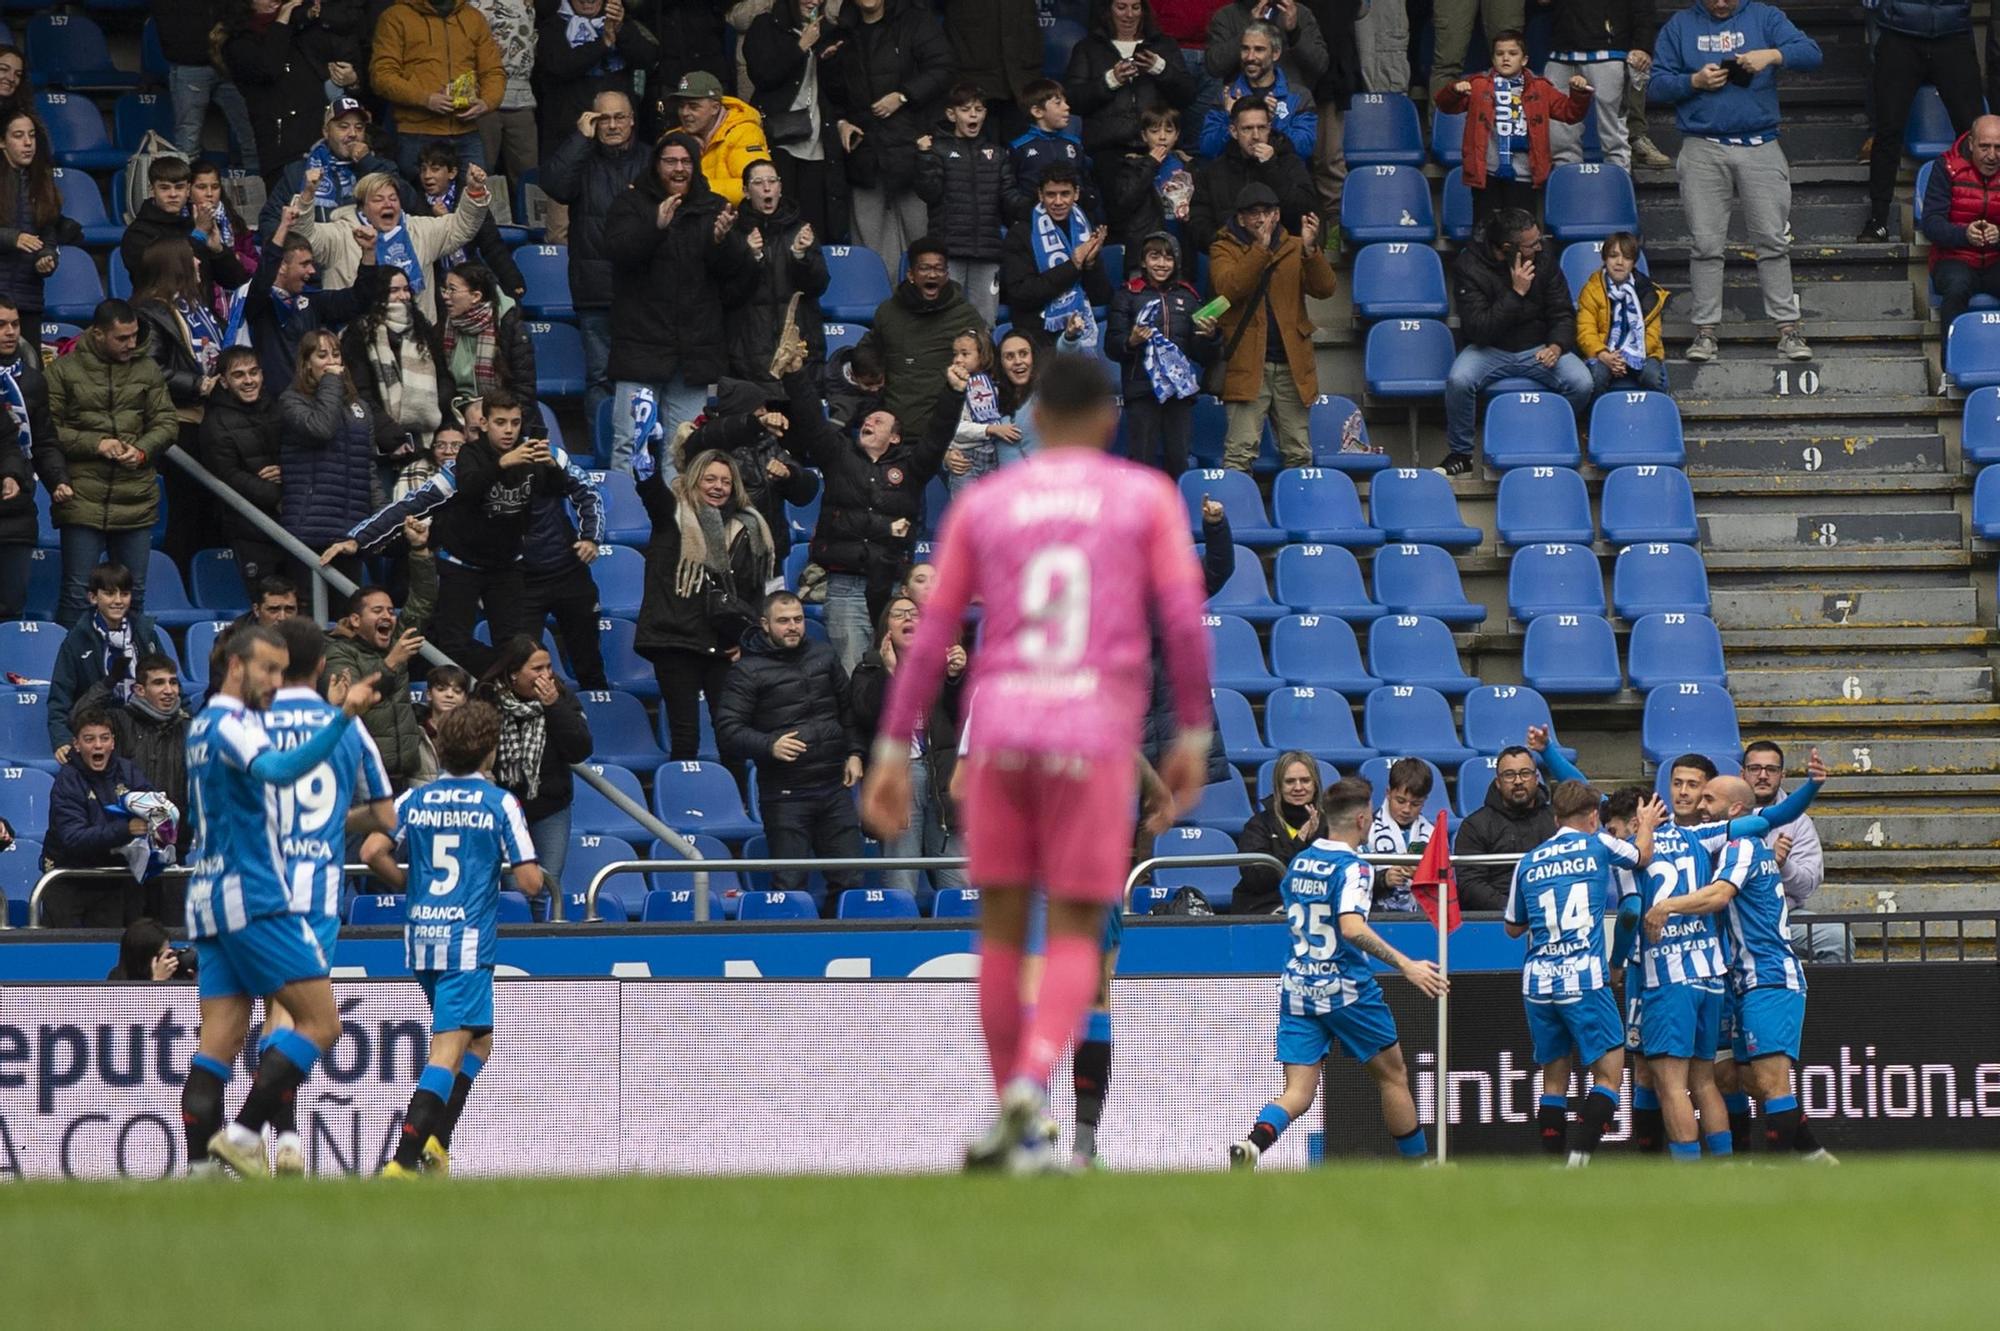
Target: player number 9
{"points": [[1055, 608]]}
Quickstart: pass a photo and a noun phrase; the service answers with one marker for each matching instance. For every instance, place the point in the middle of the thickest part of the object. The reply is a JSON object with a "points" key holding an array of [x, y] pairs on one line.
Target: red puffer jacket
{"points": [[1541, 101]]}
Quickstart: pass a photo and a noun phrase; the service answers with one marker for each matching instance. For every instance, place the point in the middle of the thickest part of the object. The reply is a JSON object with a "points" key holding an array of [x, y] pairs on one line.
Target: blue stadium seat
{"points": [[876, 903], [24, 741], [725, 885], [1658, 578], [119, 284], [1245, 594], [545, 270], [46, 536], [1319, 721], [1979, 435], [73, 291], [376, 911], [1376, 773], [514, 908], [670, 905], [625, 520], [1475, 778], [20, 868], [1382, 129], [1423, 580], [955, 903], [1676, 649], [1538, 505], [1340, 436], [1146, 898], [611, 907], [702, 797], [218, 582], [620, 730], [1237, 728], [1319, 651], [24, 794], [1238, 657], [1448, 138], [620, 574], [1324, 580], [69, 51], [804, 517], [1237, 492], [1457, 206], [82, 204], [1267, 776], [1417, 649], [1689, 718], [1399, 280], [1223, 805], [1928, 132], [1498, 715], [1555, 579], [1407, 358], [1986, 504], [1415, 504], [1571, 654], [1530, 429], [1582, 258], [166, 598], [558, 359], [200, 642], [1217, 884], [592, 812], [1648, 503], [1636, 429], [1409, 719], [856, 282], [1972, 356], [76, 132], [1320, 505], [138, 113], [589, 852], [624, 668], [839, 337], [30, 648], [1589, 201], [1387, 203]]}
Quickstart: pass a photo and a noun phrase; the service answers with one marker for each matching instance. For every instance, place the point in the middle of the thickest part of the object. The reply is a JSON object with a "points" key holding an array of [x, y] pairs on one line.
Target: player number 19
{"points": [[1055, 608]]}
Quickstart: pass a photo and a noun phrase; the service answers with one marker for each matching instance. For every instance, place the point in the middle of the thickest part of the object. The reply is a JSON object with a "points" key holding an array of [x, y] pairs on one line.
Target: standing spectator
{"points": [[895, 66], [587, 171], [786, 707], [965, 178], [166, 216], [1046, 143], [1263, 77], [914, 330], [420, 469], [556, 582], [1271, 371], [282, 56], [374, 638], [438, 67], [1020, 356], [151, 727], [729, 130], [692, 36], [342, 160], [1153, 189], [1917, 42], [1300, 45], [28, 449], [1618, 316], [1728, 118], [33, 229], [100, 657], [674, 250], [1454, 20], [1515, 314], [397, 362], [1801, 861], [787, 277], [439, 181], [508, 132], [1507, 117], [583, 50], [486, 349], [1288, 823], [542, 731], [996, 45], [1123, 69], [182, 334], [407, 241], [113, 416], [749, 422], [1961, 210], [1050, 269], [1153, 333], [932, 830], [88, 829], [240, 444], [1514, 820], [207, 200], [1382, 39], [788, 52], [707, 563], [1254, 156], [193, 79], [1608, 43], [446, 689], [326, 454], [282, 305]]}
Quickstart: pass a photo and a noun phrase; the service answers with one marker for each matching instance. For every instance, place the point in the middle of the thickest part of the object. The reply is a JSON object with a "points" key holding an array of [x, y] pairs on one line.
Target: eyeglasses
{"points": [[1528, 775], [1767, 769], [907, 612]]}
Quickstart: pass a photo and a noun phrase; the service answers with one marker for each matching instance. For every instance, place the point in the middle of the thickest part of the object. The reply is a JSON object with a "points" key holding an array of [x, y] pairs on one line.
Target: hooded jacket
{"points": [[1541, 102], [1593, 315], [736, 141], [773, 691], [1693, 37], [1496, 829], [93, 398], [915, 337], [588, 178], [1178, 302], [1492, 314], [757, 306], [418, 52], [1235, 263]]}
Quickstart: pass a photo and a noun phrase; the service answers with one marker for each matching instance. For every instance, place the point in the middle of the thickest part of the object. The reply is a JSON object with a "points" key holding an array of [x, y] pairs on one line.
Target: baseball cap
{"points": [[1255, 195], [346, 106], [699, 83]]}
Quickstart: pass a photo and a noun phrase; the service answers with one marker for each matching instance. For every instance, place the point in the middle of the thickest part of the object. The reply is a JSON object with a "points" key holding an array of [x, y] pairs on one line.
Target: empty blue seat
{"points": [[545, 271], [1689, 718], [1320, 505], [1539, 505], [625, 520], [1659, 579], [1571, 654], [73, 291], [624, 668], [1387, 203], [1986, 504], [1582, 258], [725, 885], [839, 337], [1928, 132], [1237, 727], [1147, 898], [1423, 580], [119, 284], [1676, 649], [1267, 776], [1217, 884], [1238, 656], [20, 867], [1376, 773], [24, 741], [955, 903], [876, 903], [1530, 429], [1499, 715], [778, 906], [1636, 428], [1245, 593], [1448, 138], [377, 911], [1411, 720], [1324, 580], [802, 518], [1972, 356], [611, 908], [619, 730], [1589, 201], [1399, 279], [218, 582], [1407, 358], [856, 282], [69, 51], [1648, 503], [1340, 436], [76, 132], [1553, 580], [1475, 778], [620, 574], [593, 813], [166, 597], [82, 204], [1979, 434], [670, 905], [1319, 651], [1382, 129], [24, 791], [137, 114], [1417, 649], [200, 642], [1319, 721], [1457, 206], [558, 359], [701, 797], [29, 647], [1237, 492], [1223, 805], [1413, 504]]}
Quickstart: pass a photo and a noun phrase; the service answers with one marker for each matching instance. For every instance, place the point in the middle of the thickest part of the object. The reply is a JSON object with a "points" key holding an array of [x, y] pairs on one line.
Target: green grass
{"points": [[1901, 1243]]}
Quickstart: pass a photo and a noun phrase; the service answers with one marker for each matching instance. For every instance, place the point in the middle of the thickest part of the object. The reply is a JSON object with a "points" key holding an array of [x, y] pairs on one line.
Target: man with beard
{"points": [[914, 330]]}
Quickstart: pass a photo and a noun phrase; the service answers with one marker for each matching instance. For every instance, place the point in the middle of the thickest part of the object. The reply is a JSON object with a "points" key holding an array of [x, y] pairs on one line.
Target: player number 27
{"points": [[1312, 929], [1055, 608], [444, 858], [1575, 915]]}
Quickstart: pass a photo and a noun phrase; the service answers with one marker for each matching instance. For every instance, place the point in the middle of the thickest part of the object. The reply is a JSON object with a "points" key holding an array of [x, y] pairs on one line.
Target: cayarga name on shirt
{"points": [[1566, 868]]}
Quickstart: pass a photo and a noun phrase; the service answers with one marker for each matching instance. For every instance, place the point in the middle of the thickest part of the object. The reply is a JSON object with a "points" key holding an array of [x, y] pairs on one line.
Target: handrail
{"points": [[1144, 867], [697, 866], [49, 876], [322, 577]]}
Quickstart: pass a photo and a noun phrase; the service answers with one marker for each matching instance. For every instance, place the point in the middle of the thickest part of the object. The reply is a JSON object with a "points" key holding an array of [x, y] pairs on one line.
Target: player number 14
{"points": [[1575, 915]]}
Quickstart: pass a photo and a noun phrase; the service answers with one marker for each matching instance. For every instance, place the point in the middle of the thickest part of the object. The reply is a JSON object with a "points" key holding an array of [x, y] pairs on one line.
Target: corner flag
{"points": [[1433, 877]]}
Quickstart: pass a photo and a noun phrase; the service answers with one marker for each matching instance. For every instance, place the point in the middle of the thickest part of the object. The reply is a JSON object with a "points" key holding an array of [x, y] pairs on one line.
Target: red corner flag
{"points": [[1434, 873]]}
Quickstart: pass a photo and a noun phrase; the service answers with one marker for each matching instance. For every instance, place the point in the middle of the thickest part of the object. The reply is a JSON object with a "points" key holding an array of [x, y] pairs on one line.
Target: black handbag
{"points": [[783, 127], [728, 614]]}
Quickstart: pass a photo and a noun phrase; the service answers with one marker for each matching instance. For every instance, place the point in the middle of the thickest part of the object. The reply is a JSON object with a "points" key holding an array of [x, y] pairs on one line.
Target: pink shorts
{"points": [[1061, 824]]}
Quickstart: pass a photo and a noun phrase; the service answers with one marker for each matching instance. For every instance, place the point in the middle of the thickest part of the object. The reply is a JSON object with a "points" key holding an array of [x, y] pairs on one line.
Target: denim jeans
{"points": [[1476, 367], [1652, 377], [678, 402], [925, 836], [191, 88], [595, 325], [550, 833], [847, 625], [471, 149], [83, 549]]}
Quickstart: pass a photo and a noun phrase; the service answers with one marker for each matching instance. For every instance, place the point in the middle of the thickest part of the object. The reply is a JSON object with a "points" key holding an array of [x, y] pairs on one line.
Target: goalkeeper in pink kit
{"points": [[1079, 559]]}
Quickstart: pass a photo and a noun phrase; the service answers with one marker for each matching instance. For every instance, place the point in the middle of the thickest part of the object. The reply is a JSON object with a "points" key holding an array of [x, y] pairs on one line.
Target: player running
{"points": [[1560, 892], [1328, 990], [460, 832], [1077, 557], [248, 942]]}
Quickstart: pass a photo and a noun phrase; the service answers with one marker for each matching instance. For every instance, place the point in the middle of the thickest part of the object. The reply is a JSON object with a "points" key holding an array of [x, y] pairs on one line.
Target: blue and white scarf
{"points": [[982, 400], [1628, 322], [120, 659], [1053, 245], [645, 428], [450, 201], [16, 401], [223, 230], [336, 180], [395, 249], [204, 334], [1278, 96], [1167, 366], [583, 31], [146, 855], [235, 329], [1510, 123]]}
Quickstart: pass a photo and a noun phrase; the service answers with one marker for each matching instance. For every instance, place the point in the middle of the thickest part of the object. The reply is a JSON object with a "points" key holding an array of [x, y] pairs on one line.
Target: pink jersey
{"points": [[1078, 558]]}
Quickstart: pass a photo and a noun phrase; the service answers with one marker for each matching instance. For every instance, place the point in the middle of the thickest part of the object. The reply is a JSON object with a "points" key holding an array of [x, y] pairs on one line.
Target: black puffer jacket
{"points": [[588, 179], [19, 282], [1111, 115], [1178, 301], [568, 78], [1269, 832], [38, 456], [183, 28], [904, 51], [966, 183], [869, 689], [1593, 25], [282, 72], [1492, 314], [154, 224], [865, 497], [666, 307], [1218, 181], [757, 306], [327, 453], [1496, 829], [777, 67], [774, 691], [669, 621], [237, 442], [566, 740], [733, 428], [166, 343]]}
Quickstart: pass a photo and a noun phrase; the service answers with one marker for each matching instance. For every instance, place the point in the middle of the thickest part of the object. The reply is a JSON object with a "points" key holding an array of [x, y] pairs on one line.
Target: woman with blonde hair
{"points": [[406, 241], [1289, 822]]}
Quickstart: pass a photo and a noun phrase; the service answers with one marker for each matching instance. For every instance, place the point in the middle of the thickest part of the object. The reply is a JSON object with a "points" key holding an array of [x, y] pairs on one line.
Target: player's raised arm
{"points": [[1559, 768], [1787, 810]]}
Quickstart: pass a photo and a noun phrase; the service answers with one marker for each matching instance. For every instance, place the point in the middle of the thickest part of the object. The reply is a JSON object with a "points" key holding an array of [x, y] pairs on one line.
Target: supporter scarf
{"points": [[121, 655], [645, 425], [982, 400], [583, 31], [223, 230], [1052, 246], [524, 734], [1509, 122], [1628, 322], [395, 249], [1167, 366], [476, 328], [204, 335], [15, 400], [336, 180], [153, 851], [1278, 96], [1174, 185], [450, 201]]}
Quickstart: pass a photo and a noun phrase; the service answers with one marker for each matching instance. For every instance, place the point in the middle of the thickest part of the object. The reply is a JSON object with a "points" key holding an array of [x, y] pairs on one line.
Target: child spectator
{"points": [[89, 829], [105, 647], [1154, 334], [974, 448], [168, 215], [1400, 828], [966, 180], [1507, 113], [439, 176], [1048, 142], [206, 199], [1618, 315], [446, 689], [1150, 191], [855, 378]]}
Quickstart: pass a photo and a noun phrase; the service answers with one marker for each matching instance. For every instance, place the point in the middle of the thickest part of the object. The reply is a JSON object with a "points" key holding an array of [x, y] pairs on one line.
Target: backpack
{"points": [[1186, 901], [138, 169]]}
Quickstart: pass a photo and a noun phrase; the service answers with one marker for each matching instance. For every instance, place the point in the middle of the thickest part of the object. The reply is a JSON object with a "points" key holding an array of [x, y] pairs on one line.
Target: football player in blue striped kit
{"points": [[1328, 991], [460, 832], [247, 940], [1559, 896]]}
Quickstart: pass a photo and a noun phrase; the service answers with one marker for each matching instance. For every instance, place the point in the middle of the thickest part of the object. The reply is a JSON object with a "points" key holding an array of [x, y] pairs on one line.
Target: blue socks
{"points": [[1684, 1152], [1738, 1103], [299, 1051], [469, 1066], [1721, 1143], [1413, 1145], [436, 1080], [214, 1067], [1098, 1026], [1645, 1097], [1272, 1120]]}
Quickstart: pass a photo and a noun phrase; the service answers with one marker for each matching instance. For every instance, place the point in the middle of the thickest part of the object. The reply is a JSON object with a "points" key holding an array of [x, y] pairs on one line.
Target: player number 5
{"points": [[444, 858]]}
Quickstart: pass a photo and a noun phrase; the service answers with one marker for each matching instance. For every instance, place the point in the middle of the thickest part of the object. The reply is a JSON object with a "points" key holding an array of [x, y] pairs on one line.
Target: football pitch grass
{"points": [[1899, 1242]]}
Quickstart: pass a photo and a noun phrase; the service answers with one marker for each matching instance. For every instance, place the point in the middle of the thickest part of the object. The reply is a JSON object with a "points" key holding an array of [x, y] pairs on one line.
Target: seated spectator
{"points": [[283, 57], [787, 53], [750, 422], [542, 731], [1514, 820], [1293, 113], [403, 241], [1050, 274], [283, 305], [439, 178], [914, 330], [590, 167], [89, 829], [397, 361], [586, 50], [894, 67], [1153, 333], [167, 217], [1400, 828], [182, 335], [152, 726], [787, 278], [1288, 823], [729, 130], [373, 638], [28, 450], [16, 93], [964, 179], [1149, 190], [1507, 115], [1961, 212], [1618, 317], [274, 598], [437, 66], [854, 384], [147, 954], [100, 657], [239, 443], [486, 347], [1254, 156], [1515, 315], [1122, 75], [1047, 143], [446, 689], [1267, 273], [30, 247], [326, 453], [508, 132], [342, 159], [207, 199], [786, 708], [112, 416], [707, 563]]}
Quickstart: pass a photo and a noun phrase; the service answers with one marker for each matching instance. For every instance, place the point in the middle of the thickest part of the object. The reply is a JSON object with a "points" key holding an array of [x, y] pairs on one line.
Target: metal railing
{"points": [[699, 868]]}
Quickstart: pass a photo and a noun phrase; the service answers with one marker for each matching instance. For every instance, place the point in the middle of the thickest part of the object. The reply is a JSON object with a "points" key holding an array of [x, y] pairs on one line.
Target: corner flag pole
{"points": [[1443, 1097]]}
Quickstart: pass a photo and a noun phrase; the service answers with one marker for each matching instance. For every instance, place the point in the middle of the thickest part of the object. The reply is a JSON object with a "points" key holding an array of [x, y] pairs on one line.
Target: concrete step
{"points": [[1923, 757], [1848, 565], [1897, 488], [1831, 529], [1927, 865], [1863, 683], [1862, 724], [1851, 638], [1868, 374], [1908, 829], [1890, 896], [1807, 414], [1745, 608], [1762, 452], [1774, 653], [1923, 789]]}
